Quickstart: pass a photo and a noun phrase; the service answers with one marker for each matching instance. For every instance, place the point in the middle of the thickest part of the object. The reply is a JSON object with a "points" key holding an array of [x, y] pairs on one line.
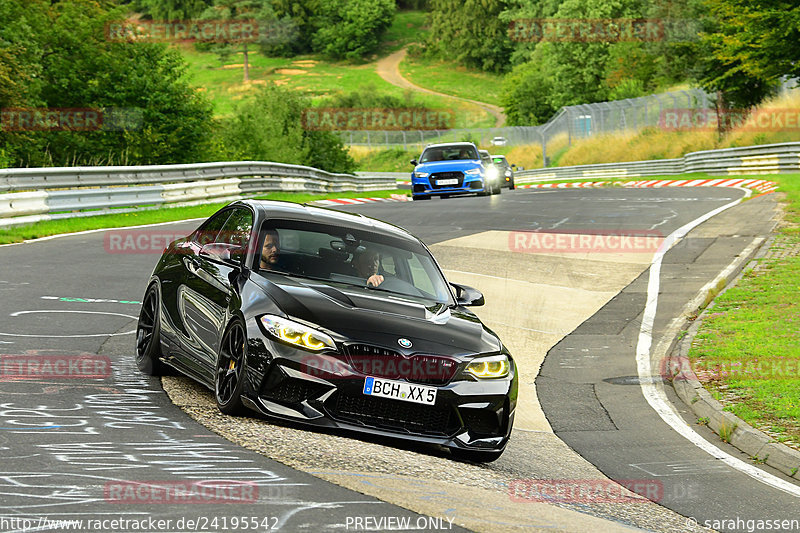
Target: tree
{"points": [[760, 39], [70, 63], [351, 29], [170, 9], [269, 127], [471, 32], [525, 95], [740, 67], [242, 11]]}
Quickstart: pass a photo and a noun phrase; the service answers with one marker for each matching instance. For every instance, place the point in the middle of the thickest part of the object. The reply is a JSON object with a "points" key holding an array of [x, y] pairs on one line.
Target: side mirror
{"points": [[414, 162], [227, 253], [467, 296]]}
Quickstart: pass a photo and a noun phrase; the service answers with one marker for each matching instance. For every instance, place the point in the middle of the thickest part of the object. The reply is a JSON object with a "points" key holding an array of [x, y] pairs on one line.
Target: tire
{"points": [[230, 368], [511, 186], [499, 189], [475, 456], [148, 334]]}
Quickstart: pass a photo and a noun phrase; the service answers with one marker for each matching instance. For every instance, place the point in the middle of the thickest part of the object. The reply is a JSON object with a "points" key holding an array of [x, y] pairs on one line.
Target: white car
{"points": [[499, 141]]}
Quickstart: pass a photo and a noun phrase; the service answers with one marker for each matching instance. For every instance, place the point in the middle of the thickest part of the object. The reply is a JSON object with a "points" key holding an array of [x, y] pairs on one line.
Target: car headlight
{"points": [[473, 171], [297, 334], [508, 173], [492, 173], [496, 366], [422, 174]]}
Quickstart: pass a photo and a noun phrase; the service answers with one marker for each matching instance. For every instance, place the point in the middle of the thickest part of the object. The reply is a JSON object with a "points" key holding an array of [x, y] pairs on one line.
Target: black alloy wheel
{"points": [[148, 335], [229, 379]]}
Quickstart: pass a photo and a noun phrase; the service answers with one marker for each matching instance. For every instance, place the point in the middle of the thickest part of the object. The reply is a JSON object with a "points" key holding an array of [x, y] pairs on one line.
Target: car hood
{"points": [[448, 166], [377, 317]]}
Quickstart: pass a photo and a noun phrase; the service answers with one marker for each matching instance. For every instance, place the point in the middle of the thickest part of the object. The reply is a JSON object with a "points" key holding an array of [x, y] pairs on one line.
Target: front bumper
{"points": [[324, 390], [423, 187]]}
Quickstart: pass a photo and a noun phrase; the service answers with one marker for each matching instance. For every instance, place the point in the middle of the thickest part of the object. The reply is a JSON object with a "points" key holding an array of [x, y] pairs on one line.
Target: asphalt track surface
{"points": [[66, 443]]}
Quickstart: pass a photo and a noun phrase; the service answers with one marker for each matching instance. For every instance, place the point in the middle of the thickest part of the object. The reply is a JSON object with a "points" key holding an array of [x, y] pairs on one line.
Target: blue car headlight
{"points": [[421, 174], [473, 172]]}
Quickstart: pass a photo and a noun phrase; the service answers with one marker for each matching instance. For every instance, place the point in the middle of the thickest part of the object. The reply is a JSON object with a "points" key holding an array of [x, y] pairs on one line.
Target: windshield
{"points": [[449, 153], [351, 257]]}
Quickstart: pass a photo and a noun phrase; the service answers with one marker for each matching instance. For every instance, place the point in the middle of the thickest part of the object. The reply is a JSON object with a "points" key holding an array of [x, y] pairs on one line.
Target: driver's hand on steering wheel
{"points": [[374, 280]]}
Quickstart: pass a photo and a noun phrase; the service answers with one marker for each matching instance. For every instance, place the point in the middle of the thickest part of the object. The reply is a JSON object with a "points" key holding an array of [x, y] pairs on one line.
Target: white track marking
{"points": [[18, 313], [656, 396]]}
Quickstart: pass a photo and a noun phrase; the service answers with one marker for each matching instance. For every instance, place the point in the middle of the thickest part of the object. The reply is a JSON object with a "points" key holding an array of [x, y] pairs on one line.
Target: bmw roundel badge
{"points": [[405, 343]]}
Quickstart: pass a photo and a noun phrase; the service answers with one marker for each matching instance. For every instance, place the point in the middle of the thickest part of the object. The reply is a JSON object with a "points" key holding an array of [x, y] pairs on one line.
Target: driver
{"points": [[464, 154], [366, 263], [270, 251]]}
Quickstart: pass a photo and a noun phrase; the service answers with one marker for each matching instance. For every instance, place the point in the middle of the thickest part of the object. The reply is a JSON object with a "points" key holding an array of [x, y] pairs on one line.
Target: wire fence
{"points": [[571, 122]]}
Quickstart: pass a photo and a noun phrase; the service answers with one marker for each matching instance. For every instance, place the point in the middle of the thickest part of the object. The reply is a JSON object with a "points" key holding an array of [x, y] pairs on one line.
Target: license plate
{"points": [[399, 390], [453, 181]]}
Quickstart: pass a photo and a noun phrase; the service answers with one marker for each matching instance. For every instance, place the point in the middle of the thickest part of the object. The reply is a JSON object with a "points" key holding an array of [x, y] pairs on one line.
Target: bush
{"points": [[269, 128], [369, 97]]}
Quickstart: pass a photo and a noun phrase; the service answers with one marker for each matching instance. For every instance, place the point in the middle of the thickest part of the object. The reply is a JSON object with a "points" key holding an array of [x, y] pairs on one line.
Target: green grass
{"points": [[758, 320], [166, 214], [450, 78], [392, 160], [223, 82]]}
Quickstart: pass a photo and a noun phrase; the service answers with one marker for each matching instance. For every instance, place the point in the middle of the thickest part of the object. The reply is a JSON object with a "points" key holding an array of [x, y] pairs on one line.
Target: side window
{"points": [[209, 231], [237, 228], [387, 265], [420, 278]]}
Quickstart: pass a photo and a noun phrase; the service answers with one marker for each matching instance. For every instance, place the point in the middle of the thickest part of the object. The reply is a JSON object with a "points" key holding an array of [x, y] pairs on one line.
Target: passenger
{"points": [[270, 251], [366, 263]]}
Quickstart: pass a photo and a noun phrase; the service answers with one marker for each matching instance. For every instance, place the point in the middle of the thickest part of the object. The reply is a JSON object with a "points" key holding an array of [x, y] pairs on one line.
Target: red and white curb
{"points": [[353, 201], [762, 186]]}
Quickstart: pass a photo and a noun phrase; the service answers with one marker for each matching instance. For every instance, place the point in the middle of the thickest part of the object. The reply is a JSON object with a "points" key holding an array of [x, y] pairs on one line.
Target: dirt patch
{"points": [[305, 63], [282, 81], [290, 71], [235, 65]]}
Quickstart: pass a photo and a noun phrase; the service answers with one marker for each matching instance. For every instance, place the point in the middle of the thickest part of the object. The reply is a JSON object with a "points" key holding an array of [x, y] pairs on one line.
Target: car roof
{"points": [[272, 209], [498, 155]]}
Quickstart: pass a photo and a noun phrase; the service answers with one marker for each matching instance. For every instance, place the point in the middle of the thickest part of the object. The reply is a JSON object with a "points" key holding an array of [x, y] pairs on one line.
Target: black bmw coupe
{"points": [[330, 319]]}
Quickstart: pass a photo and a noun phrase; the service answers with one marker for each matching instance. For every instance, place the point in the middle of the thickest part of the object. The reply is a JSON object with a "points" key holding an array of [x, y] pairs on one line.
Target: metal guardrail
{"points": [[17, 179], [763, 159], [35, 194]]}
